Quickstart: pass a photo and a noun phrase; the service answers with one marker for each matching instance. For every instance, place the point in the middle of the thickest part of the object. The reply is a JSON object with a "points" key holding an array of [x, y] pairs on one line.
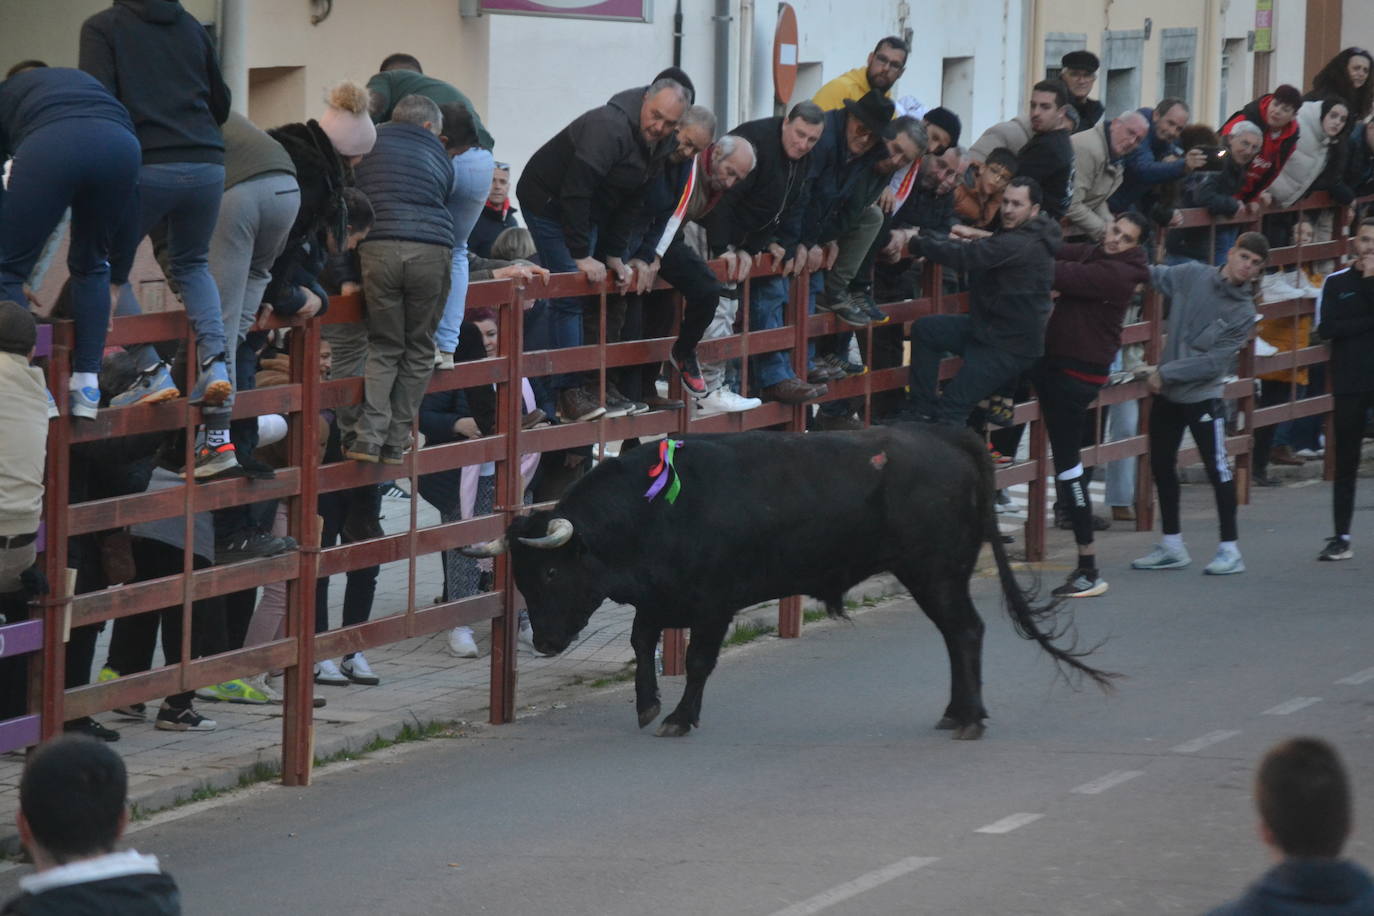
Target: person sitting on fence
{"points": [[497, 213], [1211, 313], [1217, 188], [73, 809], [1346, 319], [73, 146], [453, 416], [1302, 795], [406, 263], [1004, 332], [160, 62], [582, 192], [1094, 285], [763, 212]]}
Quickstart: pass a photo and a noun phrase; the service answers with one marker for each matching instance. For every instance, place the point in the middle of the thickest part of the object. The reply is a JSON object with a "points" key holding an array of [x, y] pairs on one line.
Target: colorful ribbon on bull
{"points": [[664, 474]]}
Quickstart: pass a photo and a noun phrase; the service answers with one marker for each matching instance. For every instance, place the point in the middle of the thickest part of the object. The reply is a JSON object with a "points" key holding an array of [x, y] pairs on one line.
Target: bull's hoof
{"points": [[671, 729], [969, 732], [947, 724], [648, 715]]}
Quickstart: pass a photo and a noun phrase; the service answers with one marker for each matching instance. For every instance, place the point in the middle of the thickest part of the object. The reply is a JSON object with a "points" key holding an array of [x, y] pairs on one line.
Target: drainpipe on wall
{"points": [[677, 35], [233, 51], [722, 75], [746, 61]]}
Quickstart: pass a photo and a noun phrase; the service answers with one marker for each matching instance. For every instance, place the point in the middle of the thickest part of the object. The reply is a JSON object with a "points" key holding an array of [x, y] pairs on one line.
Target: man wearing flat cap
{"points": [[23, 447], [1079, 73]]}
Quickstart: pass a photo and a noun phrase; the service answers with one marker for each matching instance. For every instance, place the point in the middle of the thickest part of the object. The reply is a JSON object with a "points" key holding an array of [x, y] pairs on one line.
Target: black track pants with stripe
{"points": [[1206, 420]]}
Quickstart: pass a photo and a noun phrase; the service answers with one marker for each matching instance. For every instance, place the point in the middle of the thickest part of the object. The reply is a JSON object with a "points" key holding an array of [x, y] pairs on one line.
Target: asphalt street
{"points": [[817, 784]]}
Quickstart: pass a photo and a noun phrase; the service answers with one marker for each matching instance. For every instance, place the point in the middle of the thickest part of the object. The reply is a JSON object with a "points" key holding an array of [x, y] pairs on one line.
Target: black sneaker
{"points": [[1338, 548], [843, 366], [1081, 583], [91, 729], [845, 310], [864, 300], [251, 544], [170, 719], [136, 711], [256, 470]]}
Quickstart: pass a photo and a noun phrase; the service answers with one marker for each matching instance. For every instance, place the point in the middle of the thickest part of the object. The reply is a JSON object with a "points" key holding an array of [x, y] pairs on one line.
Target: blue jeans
{"points": [[1123, 420], [565, 313], [471, 186], [91, 166], [187, 196], [767, 299]]}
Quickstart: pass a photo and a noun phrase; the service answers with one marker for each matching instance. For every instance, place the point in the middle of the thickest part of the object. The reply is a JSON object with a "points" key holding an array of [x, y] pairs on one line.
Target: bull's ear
{"points": [[489, 549]]}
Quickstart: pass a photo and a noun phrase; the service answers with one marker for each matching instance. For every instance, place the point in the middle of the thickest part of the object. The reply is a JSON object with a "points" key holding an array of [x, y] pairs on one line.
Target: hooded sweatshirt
{"points": [[1306, 887], [1277, 147], [1095, 289], [593, 173], [117, 884], [1209, 321], [1010, 275], [32, 100], [157, 59]]}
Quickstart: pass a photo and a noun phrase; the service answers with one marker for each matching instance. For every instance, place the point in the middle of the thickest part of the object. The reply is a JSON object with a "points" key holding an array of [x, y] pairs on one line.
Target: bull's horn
{"points": [[486, 549], [560, 532]]}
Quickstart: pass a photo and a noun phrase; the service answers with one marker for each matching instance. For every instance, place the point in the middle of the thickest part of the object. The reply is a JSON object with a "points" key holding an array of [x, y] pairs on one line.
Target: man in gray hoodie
{"points": [[1211, 312]]}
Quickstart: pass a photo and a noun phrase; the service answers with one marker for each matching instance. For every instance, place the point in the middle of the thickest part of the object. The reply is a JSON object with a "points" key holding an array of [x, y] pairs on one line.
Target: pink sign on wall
{"points": [[625, 10]]}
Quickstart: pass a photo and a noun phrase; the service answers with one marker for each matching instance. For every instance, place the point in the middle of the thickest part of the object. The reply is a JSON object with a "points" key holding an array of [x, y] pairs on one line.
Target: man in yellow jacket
{"points": [[885, 66]]}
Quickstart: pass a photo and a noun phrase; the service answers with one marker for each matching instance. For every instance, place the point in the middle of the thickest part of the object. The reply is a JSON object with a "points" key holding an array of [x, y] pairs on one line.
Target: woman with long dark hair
{"points": [[1347, 75]]}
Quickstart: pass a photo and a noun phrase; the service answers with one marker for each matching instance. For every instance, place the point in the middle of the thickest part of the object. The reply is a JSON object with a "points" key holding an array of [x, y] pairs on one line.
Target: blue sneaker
{"points": [[83, 402], [213, 387], [53, 412], [153, 386]]}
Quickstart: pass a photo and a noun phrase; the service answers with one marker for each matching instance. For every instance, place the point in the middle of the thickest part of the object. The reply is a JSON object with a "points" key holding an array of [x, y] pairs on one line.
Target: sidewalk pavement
{"points": [[422, 683]]}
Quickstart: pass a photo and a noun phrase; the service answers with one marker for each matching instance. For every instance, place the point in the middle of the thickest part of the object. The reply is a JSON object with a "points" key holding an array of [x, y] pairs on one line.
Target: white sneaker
{"points": [[327, 672], [443, 360], [723, 400], [357, 670], [525, 636], [461, 643]]}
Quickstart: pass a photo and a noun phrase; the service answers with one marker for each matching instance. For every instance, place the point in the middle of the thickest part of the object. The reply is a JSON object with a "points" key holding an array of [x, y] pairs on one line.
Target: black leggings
{"points": [[1347, 428], [1064, 404], [1206, 420]]}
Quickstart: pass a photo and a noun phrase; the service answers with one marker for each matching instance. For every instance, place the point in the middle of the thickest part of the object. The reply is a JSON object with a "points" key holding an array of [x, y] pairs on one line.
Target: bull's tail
{"points": [[1048, 624]]}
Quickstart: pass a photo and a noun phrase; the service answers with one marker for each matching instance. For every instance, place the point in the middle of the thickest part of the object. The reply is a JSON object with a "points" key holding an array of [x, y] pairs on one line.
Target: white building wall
{"points": [[544, 72], [1290, 47]]}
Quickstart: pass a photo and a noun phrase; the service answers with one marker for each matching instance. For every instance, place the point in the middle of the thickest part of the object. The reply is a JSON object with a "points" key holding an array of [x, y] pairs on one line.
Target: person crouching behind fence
{"points": [[72, 810], [405, 266], [1211, 313], [1303, 796], [24, 415]]}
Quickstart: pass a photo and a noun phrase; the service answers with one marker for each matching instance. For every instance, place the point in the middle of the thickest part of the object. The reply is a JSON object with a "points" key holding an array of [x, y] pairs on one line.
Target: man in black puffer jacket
{"points": [[1004, 333], [405, 266]]}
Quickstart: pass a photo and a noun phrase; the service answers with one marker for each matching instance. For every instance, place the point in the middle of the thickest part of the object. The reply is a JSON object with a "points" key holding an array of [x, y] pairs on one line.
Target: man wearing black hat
{"points": [[1079, 73], [23, 447]]}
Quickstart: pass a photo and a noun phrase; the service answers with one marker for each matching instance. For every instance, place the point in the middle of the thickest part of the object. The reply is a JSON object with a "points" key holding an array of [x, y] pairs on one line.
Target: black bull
{"points": [[763, 515]]}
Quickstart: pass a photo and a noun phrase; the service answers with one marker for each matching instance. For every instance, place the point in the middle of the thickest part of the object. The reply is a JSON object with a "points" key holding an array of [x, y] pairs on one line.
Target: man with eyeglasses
{"points": [[885, 66], [1078, 71]]}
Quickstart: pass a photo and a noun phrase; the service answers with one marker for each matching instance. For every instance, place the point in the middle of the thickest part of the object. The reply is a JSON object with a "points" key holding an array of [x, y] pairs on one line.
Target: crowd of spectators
{"points": [[394, 194]]}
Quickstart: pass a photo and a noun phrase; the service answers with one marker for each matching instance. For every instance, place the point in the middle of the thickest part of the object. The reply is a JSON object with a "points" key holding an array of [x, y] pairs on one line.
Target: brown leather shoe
{"points": [[1123, 513], [793, 391], [532, 419], [657, 403], [1282, 454], [576, 404]]}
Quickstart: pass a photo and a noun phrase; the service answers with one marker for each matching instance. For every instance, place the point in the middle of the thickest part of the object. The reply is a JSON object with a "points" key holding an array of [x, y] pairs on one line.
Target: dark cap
{"points": [[18, 330], [1080, 60], [679, 76], [873, 110], [945, 119]]}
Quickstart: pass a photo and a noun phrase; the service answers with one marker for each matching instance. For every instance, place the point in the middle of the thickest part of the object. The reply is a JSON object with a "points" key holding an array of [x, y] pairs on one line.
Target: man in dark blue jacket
{"points": [[405, 267], [1159, 160]]}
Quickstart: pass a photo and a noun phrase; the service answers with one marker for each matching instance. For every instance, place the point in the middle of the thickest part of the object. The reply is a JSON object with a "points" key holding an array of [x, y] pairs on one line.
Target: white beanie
{"points": [[346, 120]]}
